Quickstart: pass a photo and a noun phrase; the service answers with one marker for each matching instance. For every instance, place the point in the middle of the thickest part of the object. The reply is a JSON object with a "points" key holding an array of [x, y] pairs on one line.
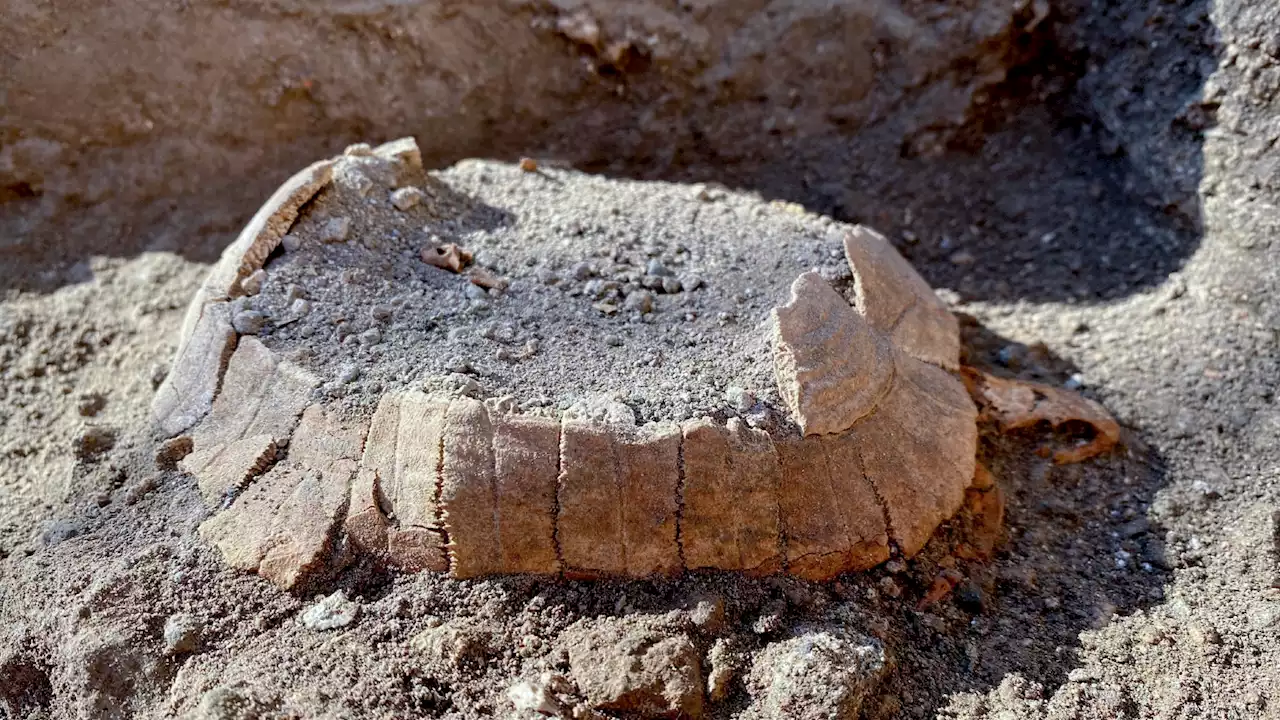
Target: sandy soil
{"points": [[1106, 219]]}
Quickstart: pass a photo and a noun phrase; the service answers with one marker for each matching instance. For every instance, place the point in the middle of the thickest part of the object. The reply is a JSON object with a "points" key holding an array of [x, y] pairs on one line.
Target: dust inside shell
{"points": [[547, 424]]}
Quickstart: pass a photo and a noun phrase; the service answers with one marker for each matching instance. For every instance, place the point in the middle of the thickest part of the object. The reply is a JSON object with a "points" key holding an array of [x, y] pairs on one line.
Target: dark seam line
{"points": [[439, 513], [499, 558], [777, 499], [555, 500], [837, 505], [680, 482]]}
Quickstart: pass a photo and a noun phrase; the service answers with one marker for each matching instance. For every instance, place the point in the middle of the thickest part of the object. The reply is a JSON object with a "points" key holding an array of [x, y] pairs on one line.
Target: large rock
{"points": [[821, 673], [635, 666]]}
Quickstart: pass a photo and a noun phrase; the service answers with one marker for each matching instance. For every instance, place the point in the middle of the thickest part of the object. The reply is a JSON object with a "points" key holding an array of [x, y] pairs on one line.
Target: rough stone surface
{"points": [[822, 673], [635, 667]]}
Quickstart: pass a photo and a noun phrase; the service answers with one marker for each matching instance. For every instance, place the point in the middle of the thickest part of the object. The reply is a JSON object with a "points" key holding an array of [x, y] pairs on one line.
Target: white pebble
{"points": [[335, 230], [406, 197], [331, 613]]}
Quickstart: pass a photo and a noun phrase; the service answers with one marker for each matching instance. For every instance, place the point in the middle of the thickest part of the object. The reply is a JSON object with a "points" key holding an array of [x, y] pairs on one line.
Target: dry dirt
{"points": [[1104, 213]]}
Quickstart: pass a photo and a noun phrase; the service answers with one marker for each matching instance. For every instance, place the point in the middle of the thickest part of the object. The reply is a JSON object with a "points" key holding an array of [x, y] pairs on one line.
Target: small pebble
{"points": [[691, 282], [181, 634], [655, 267], [299, 308], [335, 230], [94, 440], [372, 336], [173, 450], [407, 197], [582, 271], [91, 404], [331, 613], [348, 373], [381, 313], [964, 257], [741, 400], [613, 341], [249, 322], [475, 292], [463, 385], [252, 285], [528, 164], [671, 286], [639, 301], [969, 598], [295, 291], [291, 243]]}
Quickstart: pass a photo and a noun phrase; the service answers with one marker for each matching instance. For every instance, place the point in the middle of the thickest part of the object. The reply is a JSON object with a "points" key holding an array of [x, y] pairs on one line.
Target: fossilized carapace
{"points": [[337, 381]]}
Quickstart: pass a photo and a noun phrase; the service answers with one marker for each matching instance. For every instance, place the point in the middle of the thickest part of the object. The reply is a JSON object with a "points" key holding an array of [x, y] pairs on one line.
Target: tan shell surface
{"points": [[884, 451]]}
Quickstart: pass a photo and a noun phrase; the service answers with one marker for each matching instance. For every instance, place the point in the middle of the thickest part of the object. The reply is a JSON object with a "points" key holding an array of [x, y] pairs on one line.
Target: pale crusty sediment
{"points": [[880, 453]]}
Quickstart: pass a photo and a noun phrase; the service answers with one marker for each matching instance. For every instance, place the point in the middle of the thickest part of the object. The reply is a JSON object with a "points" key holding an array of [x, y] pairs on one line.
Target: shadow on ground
{"points": [[1032, 197]]}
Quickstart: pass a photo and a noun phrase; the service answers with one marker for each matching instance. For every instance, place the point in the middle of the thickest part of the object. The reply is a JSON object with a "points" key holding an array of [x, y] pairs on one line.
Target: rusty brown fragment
{"points": [[1016, 404], [487, 280], [447, 257]]}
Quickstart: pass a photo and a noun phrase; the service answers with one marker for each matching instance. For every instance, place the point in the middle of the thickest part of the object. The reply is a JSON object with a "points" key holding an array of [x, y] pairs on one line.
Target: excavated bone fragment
{"points": [[261, 399], [526, 453], [755, 463], [622, 480], [618, 500], [708, 535], [918, 450], [898, 302], [589, 521], [731, 515], [188, 390], [393, 498], [818, 540], [1015, 404], [284, 525], [831, 365], [648, 462], [468, 498]]}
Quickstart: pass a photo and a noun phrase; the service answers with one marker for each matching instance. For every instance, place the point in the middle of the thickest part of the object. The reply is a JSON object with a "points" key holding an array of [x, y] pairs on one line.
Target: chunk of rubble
{"points": [[820, 672], [635, 667]]}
